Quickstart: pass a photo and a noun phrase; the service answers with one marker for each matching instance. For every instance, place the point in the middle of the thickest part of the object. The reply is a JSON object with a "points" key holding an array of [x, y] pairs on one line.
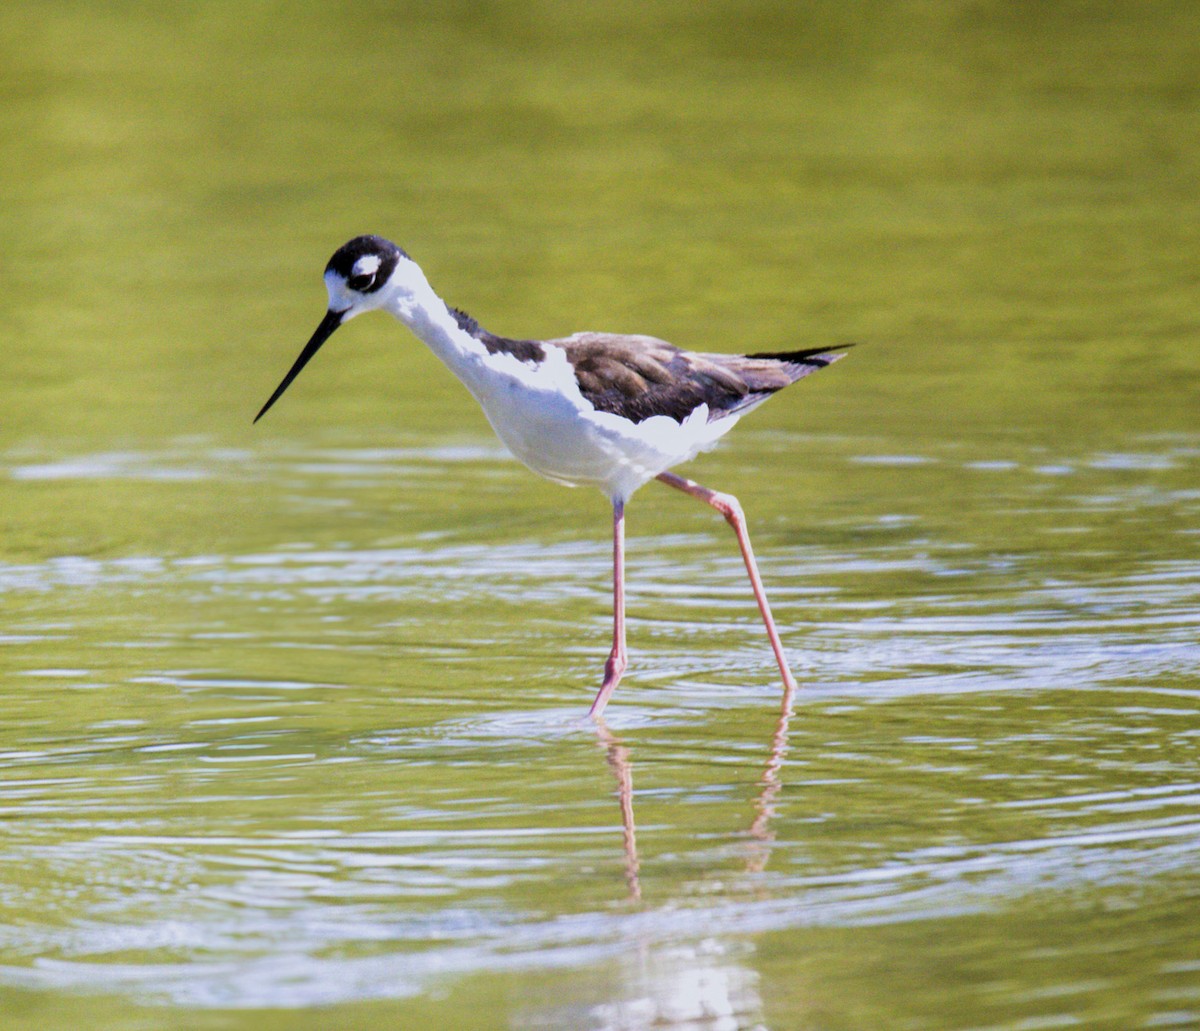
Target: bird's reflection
{"points": [[667, 983], [761, 833], [618, 760]]}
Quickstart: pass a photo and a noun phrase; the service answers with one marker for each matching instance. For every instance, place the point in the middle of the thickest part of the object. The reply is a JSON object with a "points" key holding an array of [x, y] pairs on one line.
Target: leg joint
{"points": [[729, 507]]}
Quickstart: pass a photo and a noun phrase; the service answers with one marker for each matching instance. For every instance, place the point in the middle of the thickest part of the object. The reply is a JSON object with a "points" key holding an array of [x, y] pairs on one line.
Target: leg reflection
{"points": [[771, 782], [618, 759], [764, 806]]}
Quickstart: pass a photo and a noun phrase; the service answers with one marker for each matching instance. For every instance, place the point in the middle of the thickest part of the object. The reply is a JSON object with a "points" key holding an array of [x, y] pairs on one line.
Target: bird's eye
{"points": [[361, 281]]}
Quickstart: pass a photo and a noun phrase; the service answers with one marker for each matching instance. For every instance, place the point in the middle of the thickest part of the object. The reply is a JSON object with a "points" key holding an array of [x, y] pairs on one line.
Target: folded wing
{"points": [[637, 377]]}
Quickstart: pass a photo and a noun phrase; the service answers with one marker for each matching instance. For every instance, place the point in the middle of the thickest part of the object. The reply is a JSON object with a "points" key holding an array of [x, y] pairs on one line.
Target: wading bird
{"points": [[600, 409]]}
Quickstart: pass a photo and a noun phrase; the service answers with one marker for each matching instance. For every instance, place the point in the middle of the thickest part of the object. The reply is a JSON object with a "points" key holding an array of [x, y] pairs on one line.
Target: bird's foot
{"points": [[613, 669]]}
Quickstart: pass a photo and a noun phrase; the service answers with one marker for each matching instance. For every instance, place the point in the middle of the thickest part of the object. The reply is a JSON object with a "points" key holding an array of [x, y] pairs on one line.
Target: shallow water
{"points": [[291, 716]]}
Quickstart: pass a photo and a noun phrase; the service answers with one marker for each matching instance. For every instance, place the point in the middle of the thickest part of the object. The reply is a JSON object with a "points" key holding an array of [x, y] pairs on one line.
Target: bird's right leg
{"points": [[730, 508]]}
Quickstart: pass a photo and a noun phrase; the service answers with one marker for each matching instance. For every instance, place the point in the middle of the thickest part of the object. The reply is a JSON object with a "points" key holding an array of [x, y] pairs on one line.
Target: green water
{"points": [[291, 715]]}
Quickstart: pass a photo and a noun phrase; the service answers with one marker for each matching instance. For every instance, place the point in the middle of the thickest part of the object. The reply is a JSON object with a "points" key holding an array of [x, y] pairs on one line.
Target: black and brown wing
{"points": [[637, 377]]}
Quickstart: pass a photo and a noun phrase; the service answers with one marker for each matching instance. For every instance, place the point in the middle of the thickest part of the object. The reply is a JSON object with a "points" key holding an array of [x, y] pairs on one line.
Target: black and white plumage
{"points": [[601, 409]]}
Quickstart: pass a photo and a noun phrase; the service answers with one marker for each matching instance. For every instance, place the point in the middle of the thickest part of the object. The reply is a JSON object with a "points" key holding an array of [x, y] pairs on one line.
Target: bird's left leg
{"points": [[731, 509], [617, 659]]}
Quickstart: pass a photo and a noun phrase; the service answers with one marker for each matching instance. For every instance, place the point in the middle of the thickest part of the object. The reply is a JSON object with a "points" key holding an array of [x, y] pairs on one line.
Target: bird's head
{"points": [[365, 273]]}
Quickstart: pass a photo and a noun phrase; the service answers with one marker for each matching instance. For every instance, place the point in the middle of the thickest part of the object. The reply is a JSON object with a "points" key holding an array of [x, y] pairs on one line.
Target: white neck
{"points": [[413, 301]]}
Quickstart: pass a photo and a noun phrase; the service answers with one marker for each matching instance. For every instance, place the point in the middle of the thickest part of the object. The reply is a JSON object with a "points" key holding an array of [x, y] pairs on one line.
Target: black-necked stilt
{"points": [[602, 409]]}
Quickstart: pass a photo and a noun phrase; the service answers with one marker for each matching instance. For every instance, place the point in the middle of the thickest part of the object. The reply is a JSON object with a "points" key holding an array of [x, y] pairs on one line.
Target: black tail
{"points": [[818, 357], [798, 364], [765, 373]]}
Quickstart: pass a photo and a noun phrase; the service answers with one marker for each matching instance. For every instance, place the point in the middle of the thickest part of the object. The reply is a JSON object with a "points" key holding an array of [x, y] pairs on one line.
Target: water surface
{"points": [[291, 716]]}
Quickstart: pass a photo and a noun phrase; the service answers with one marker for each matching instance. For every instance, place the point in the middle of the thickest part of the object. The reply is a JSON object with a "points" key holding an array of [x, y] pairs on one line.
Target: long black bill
{"points": [[332, 320]]}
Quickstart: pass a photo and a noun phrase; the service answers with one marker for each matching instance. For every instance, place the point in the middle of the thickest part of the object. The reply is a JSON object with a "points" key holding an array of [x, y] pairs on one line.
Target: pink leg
{"points": [[617, 659], [729, 507]]}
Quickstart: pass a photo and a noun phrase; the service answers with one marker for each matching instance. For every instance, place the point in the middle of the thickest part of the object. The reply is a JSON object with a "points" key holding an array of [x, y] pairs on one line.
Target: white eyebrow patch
{"points": [[367, 265]]}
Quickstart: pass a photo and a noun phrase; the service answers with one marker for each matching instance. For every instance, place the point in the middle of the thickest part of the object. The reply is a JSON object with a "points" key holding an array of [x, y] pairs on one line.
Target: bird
{"points": [[606, 410]]}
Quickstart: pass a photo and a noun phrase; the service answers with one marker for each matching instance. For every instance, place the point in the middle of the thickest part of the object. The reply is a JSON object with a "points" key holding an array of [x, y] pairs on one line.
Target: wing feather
{"points": [[638, 377]]}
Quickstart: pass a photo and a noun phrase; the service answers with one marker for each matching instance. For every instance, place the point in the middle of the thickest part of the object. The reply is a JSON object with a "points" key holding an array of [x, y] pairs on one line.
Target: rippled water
{"points": [[329, 773], [292, 723]]}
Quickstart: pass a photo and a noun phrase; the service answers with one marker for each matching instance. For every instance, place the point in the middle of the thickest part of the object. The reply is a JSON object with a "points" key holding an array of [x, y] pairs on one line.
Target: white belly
{"points": [[560, 435]]}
